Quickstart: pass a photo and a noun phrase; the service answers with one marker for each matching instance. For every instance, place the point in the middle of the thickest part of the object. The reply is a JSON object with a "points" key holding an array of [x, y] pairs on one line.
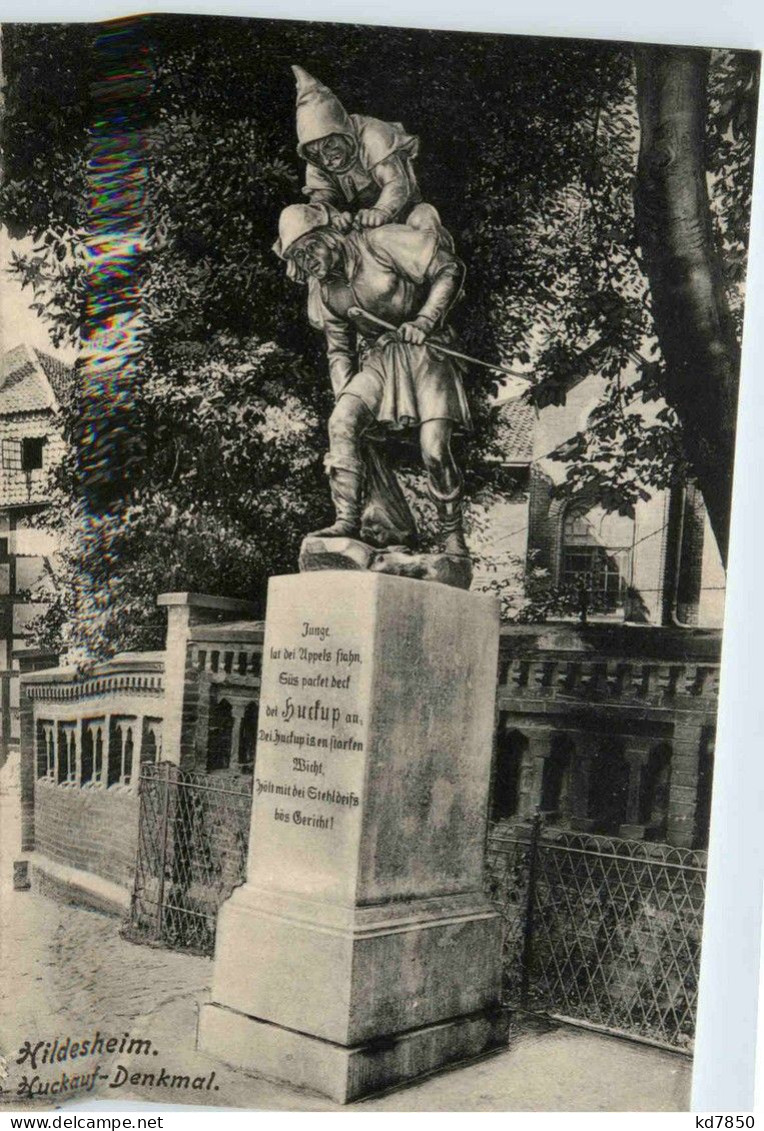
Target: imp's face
{"points": [[333, 152], [314, 257]]}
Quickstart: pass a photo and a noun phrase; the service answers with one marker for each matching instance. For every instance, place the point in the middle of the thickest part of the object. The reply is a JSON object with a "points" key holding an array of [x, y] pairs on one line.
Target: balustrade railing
{"points": [[95, 728], [616, 679]]}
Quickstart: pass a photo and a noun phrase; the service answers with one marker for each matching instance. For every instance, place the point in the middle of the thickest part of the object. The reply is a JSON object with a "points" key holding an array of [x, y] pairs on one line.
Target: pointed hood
{"points": [[319, 112]]}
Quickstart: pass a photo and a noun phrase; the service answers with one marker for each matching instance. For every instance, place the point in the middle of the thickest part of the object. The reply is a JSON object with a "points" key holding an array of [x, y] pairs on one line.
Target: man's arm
{"points": [[445, 275], [393, 179], [321, 188], [339, 352]]}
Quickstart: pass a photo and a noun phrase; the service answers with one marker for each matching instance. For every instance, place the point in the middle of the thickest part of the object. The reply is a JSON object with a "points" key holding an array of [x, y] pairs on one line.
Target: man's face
{"points": [[333, 152], [314, 257]]}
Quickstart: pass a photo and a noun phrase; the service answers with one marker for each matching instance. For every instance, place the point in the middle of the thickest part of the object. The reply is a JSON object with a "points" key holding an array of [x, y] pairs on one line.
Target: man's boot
{"points": [[345, 486], [449, 509]]}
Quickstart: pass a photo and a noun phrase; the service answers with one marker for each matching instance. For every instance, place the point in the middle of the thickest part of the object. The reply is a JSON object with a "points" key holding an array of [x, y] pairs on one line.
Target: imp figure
{"points": [[361, 168]]}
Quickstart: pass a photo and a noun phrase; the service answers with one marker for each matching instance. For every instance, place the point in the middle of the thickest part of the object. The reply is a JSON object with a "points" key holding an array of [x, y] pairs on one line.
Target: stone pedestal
{"points": [[362, 952]]}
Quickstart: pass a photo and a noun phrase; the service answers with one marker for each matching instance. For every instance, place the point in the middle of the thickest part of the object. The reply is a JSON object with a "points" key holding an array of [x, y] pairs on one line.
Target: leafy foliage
{"points": [[526, 592], [230, 386], [733, 95]]}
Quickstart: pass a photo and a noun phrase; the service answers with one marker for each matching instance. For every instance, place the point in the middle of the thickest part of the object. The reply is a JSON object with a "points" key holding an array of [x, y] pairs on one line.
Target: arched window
{"points": [[127, 757], [151, 741], [43, 749], [87, 753], [67, 752], [654, 794], [221, 727], [98, 753], [597, 555], [510, 749], [705, 776], [609, 787], [149, 751], [248, 738]]}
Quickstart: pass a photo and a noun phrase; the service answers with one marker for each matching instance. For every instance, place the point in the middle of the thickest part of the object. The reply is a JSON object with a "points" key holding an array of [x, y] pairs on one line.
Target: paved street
{"points": [[67, 972]]}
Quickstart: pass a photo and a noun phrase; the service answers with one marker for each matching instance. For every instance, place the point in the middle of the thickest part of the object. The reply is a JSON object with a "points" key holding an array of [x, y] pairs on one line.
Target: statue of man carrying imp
{"points": [[365, 274]]}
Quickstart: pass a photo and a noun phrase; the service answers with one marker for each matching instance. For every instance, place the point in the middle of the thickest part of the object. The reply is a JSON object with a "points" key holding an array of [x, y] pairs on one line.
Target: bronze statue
{"points": [[387, 380]]}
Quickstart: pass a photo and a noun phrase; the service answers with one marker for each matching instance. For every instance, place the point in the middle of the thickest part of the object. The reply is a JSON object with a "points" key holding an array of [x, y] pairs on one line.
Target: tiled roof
{"points": [[517, 423], [59, 375], [30, 381]]}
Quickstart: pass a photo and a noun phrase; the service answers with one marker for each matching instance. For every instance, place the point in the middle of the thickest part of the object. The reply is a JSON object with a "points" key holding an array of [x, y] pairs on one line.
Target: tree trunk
{"points": [[674, 228]]}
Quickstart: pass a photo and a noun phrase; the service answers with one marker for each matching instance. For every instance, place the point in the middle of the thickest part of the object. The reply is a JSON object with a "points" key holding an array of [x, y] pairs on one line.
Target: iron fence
{"points": [[601, 930], [192, 852], [597, 930]]}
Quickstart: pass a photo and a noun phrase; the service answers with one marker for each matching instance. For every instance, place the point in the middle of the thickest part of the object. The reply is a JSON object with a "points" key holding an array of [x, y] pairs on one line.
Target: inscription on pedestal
{"points": [[361, 951], [312, 731]]}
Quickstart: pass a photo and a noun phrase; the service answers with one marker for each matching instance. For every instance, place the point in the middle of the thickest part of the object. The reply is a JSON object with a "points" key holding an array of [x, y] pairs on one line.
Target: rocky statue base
{"points": [[351, 553], [362, 952]]}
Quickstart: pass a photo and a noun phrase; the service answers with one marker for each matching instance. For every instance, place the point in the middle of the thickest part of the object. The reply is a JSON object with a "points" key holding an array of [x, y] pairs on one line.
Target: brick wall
{"points": [[543, 523], [21, 487], [619, 697], [95, 830]]}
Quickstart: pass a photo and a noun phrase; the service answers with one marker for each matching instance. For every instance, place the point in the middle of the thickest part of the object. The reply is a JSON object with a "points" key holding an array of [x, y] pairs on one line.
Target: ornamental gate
{"points": [[597, 931]]}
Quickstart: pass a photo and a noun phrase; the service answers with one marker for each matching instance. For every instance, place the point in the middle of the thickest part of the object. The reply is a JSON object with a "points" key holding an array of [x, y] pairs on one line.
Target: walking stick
{"points": [[359, 312]]}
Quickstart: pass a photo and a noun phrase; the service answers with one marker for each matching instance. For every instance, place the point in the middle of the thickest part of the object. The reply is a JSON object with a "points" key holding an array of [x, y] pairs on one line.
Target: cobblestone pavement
{"points": [[66, 971]]}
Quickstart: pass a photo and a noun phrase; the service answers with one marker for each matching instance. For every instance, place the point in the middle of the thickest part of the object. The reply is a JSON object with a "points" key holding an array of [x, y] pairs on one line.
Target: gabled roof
{"points": [[517, 422], [59, 374], [30, 381]]}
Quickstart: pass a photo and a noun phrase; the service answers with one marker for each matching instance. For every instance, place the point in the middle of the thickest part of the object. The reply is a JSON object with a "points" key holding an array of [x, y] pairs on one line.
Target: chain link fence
{"points": [[192, 852], [597, 930], [600, 930]]}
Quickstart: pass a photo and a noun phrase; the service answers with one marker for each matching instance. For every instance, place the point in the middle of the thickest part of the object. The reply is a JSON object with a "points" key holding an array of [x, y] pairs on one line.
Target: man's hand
{"points": [[342, 222], [415, 333], [370, 218]]}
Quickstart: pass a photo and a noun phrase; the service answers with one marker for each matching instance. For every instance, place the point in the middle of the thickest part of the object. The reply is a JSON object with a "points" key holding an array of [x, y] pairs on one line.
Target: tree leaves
{"points": [[531, 165]]}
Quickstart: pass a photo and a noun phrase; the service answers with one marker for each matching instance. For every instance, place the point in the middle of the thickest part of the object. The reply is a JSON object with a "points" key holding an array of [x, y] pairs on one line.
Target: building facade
{"points": [[659, 567], [31, 445]]}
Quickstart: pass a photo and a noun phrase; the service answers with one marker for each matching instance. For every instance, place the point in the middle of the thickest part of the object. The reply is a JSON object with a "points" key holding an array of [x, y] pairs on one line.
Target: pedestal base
{"points": [[345, 1073], [362, 951], [350, 975]]}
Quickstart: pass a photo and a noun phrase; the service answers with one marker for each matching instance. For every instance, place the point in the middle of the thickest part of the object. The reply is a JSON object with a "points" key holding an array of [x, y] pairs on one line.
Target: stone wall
{"points": [[608, 729], [221, 696], [84, 737], [605, 728], [92, 829]]}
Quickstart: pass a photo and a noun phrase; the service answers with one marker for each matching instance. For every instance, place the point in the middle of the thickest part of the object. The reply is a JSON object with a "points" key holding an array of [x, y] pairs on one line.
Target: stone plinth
{"points": [[362, 952]]}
